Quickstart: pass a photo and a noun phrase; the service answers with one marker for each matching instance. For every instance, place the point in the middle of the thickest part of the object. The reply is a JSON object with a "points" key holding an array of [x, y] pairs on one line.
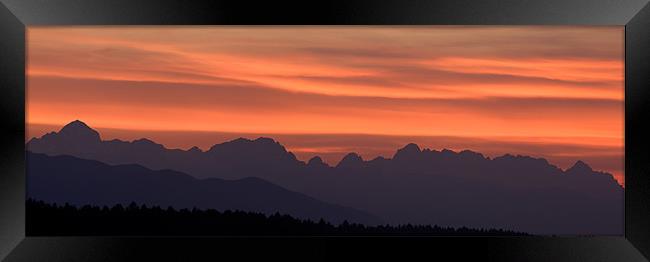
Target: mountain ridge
{"points": [[409, 150], [425, 186], [68, 179]]}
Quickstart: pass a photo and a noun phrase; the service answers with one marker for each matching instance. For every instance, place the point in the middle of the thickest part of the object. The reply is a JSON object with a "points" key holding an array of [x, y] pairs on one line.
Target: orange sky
{"points": [[554, 92]]}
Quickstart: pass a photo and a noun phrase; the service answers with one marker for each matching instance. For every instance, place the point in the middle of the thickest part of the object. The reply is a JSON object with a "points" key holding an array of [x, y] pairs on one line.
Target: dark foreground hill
{"points": [[67, 179], [44, 219]]}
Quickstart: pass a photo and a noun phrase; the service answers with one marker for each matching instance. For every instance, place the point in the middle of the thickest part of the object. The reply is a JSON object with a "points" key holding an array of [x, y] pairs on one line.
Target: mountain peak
{"points": [[316, 162], [260, 148], [351, 160], [579, 168], [409, 151], [195, 149], [469, 154], [80, 131], [446, 151], [412, 146], [266, 140], [144, 142], [75, 125]]}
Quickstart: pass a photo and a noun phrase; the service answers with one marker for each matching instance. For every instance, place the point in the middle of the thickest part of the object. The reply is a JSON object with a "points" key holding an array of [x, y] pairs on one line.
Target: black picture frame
{"points": [[16, 15]]}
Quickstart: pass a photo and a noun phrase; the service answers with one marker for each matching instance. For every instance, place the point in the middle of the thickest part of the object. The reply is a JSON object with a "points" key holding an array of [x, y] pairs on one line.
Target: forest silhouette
{"points": [[45, 219]]}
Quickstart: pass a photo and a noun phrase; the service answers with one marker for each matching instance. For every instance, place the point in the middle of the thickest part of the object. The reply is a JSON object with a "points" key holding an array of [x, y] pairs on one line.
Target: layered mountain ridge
{"points": [[414, 186], [67, 179]]}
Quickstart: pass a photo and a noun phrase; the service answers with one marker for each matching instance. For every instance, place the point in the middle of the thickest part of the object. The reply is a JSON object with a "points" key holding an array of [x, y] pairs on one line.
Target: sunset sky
{"points": [[552, 92]]}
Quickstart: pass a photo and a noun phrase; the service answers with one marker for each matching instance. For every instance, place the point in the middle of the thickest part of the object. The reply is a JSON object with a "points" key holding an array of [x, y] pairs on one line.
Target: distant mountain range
{"points": [[414, 186]]}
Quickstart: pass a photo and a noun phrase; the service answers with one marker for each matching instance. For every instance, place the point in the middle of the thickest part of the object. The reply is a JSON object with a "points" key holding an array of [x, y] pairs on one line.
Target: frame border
{"points": [[16, 15]]}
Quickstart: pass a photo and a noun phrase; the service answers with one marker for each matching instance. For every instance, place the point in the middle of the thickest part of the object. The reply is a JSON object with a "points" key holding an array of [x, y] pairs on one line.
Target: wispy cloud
{"points": [[467, 81]]}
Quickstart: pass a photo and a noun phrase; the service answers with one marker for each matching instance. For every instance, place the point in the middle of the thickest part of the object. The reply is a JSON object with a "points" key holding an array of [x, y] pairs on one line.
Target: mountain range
{"points": [[67, 179], [416, 185]]}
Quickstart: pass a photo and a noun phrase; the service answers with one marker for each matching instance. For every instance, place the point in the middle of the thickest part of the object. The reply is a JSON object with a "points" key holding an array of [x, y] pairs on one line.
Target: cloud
{"points": [[244, 97], [405, 81], [360, 61]]}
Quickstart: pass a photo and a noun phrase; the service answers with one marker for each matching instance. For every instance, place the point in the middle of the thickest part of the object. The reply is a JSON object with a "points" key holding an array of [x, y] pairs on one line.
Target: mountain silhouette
{"points": [[228, 160], [416, 185], [316, 164], [351, 160], [76, 137], [67, 179], [79, 131], [410, 151], [579, 168]]}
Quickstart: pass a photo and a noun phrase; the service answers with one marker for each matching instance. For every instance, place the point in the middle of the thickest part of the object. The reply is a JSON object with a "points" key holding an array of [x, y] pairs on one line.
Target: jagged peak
{"points": [[579, 167], [410, 150], [262, 143], [448, 151], [195, 149], [265, 140], [351, 160]]}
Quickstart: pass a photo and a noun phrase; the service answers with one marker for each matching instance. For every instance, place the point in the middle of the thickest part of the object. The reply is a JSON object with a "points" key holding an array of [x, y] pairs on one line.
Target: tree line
{"points": [[51, 219]]}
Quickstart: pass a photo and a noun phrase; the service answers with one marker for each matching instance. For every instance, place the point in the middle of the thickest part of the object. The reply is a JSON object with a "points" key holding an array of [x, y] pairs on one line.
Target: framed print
{"points": [[161, 130]]}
